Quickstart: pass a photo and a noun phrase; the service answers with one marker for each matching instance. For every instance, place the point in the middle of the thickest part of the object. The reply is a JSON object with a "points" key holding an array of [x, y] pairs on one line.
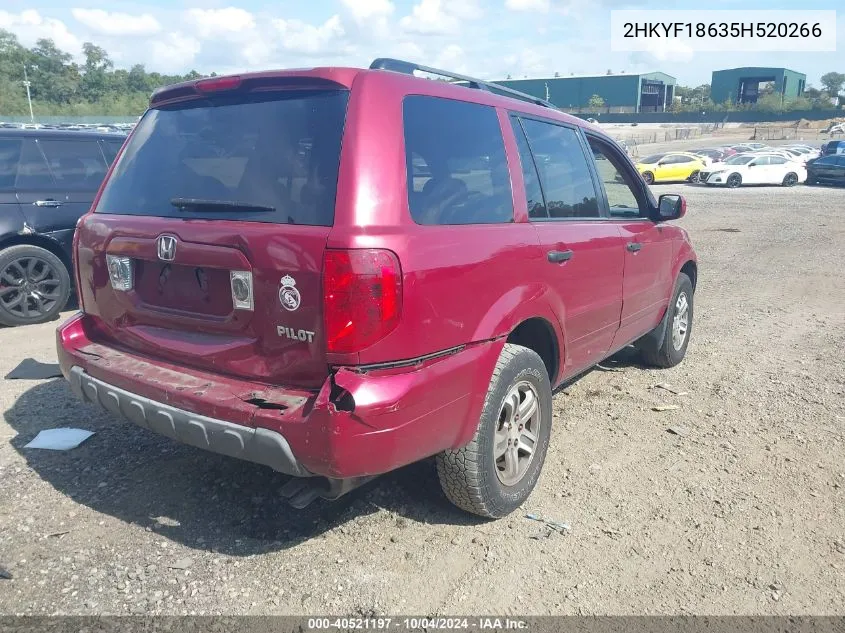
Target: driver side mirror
{"points": [[671, 206]]}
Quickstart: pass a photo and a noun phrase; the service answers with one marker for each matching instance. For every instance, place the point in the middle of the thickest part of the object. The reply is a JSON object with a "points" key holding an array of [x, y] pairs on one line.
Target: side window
{"points": [[110, 149], [75, 164], [760, 161], [777, 160], [677, 160], [10, 153], [564, 172], [533, 191], [456, 166], [623, 195], [33, 172]]}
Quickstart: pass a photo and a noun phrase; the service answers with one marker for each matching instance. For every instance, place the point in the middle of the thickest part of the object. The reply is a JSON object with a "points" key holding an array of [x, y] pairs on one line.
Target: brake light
{"points": [[362, 297], [217, 84]]}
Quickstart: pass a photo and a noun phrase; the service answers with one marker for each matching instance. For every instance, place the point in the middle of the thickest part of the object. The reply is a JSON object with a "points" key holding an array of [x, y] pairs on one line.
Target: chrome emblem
{"points": [[166, 247], [288, 294]]}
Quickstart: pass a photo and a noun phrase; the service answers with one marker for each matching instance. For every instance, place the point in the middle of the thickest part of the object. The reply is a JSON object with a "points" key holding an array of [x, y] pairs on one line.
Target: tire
{"points": [[695, 177], [648, 177], [790, 180], [472, 477], [44, 281], [667, 350], [734, 181]]}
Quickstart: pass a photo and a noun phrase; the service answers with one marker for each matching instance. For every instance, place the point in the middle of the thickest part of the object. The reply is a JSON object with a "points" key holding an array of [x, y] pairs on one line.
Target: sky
{"points": [[489, 39]]}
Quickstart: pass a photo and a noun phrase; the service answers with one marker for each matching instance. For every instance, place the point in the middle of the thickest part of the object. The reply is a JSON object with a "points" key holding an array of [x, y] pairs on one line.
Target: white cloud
{"points": [[301, 37], [30, 26], [542, 6], [363, 10], [174, 53], [227, 22], [440, 17], [122, 24]]}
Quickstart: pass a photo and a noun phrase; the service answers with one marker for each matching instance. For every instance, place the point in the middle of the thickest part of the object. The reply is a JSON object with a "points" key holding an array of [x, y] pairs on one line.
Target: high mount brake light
{"points": [[362, 297], [218, 84]]}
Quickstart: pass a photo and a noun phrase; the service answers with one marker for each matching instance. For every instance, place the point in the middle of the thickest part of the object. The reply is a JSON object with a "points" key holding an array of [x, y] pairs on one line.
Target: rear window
{"points": [[272, 157], [456, 165]]}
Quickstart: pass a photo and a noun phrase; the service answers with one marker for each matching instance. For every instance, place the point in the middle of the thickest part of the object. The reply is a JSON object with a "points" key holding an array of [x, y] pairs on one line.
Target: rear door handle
{"points": [[558, 257], [634, 246], [47, 203]]}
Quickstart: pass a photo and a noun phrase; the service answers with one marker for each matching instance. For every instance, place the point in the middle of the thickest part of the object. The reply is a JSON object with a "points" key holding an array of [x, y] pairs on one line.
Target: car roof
{"points": [[392, 82], [54, 133]]}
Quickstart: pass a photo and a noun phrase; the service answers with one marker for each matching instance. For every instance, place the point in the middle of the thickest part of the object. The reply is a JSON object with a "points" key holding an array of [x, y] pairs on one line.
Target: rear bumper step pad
{"points": [[257, 445]]}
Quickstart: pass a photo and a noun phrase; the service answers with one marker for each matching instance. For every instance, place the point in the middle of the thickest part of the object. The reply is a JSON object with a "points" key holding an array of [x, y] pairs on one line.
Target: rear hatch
{"points": [[206, 245]]}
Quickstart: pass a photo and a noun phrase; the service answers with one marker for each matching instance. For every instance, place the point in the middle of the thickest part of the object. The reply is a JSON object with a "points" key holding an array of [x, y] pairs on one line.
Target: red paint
{"points": [[426, 289]]}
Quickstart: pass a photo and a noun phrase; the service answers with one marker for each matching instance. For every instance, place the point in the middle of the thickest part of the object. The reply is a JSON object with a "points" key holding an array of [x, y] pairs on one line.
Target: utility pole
{"points": [[28, 83]]}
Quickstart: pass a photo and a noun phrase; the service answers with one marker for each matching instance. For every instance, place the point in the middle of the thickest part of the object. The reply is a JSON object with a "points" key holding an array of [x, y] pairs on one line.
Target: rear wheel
{"points": [[695, 177], [790, 180], [670, 348], [734, 181], [496, 472], [648, 177], [34, 285]]}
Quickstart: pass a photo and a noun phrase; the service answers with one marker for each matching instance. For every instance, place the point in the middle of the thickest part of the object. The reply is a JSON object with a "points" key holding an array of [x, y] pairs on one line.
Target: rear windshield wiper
{"points": [[219, 205]]}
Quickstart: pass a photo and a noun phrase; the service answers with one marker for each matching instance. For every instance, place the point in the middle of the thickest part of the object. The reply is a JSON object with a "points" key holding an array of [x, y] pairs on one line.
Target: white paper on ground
{"points": [[62, 439]]}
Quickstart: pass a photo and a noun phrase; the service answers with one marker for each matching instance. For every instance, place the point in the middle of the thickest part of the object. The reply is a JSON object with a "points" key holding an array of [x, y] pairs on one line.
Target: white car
{"points": [[755, 169]]}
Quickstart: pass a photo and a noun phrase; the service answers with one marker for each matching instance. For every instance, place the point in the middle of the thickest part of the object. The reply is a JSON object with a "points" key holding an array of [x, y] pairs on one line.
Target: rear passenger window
{"points": [[456, 165], [33, 172], [75, 164], [110, 149], [533, 191], [10, 152], [564, 172]]}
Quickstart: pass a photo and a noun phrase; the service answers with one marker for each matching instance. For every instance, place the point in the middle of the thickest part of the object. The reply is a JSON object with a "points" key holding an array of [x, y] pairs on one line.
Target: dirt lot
{"points": [[742, 513]]}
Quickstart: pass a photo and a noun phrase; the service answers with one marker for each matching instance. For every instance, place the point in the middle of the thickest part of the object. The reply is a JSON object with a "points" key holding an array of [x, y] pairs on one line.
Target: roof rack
{"points": [[408, 68]]}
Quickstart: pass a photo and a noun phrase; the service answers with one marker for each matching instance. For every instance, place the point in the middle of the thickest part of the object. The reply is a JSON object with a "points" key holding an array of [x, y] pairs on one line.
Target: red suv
{"points": [[336, 272]]}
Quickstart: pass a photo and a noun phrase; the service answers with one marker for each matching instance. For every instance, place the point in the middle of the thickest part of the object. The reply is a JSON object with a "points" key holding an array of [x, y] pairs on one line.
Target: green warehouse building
{"points": [[744, 85], [647, 92]]}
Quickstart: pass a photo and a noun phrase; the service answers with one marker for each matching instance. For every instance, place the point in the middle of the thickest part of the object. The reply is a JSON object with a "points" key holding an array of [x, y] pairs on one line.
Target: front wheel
{"points": [[790, 180], [648, 177], [667, 345], [496, 472], [734, 181], [34, 285]]}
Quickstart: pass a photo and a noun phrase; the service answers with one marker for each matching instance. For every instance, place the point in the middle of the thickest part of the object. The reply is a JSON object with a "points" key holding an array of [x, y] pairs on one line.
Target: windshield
{"points": [[648, 160], [739, 160], [248, 154]]}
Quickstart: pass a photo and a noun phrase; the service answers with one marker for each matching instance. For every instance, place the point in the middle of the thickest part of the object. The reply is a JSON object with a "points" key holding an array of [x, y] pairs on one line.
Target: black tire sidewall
{"points": [[528, 366], [28, 250], [787, 180], [730, 178], [675, 356], [648, 177]]}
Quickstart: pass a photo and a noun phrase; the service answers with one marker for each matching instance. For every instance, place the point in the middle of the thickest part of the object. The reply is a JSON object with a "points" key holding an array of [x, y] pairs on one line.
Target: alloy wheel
{"points": [[680, 323], [517, 433], [29, 287]]}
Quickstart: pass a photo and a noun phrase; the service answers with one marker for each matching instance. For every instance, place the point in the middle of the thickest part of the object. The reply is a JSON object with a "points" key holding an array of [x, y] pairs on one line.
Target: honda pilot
{"points": [[336, 272]]}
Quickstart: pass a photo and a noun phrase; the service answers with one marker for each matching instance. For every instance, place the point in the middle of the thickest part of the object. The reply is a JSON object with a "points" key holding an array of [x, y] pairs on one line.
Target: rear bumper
{"points": [[357, 424]]}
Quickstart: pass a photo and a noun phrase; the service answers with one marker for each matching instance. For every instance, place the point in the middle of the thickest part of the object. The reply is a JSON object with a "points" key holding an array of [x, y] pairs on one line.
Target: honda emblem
{"points": [[166, 248]]}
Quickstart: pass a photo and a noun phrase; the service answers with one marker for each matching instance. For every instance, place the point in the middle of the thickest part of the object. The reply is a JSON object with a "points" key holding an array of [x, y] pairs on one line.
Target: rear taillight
{"points": [[362, 297], [218, 84]]}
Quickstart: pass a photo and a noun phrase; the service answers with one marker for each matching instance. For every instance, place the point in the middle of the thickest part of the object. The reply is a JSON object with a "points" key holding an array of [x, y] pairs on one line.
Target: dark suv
{"points": [[48, 180], [336, 272]]}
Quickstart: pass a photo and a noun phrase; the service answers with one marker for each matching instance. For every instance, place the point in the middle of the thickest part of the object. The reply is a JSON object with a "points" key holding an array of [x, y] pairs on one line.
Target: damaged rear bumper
{"points": [[359, 423]]}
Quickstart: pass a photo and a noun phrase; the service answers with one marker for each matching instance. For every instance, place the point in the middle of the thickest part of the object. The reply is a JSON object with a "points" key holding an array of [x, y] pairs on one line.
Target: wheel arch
{"points": [[35, 239]]}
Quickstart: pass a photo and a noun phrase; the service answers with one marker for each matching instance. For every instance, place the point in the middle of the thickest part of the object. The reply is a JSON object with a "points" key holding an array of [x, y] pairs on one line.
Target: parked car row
{"points": [[747, 164], [110, 128]]}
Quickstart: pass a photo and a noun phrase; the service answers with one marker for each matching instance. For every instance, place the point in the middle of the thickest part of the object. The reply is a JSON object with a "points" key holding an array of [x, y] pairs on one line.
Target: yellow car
{"points": [[671, 167]]}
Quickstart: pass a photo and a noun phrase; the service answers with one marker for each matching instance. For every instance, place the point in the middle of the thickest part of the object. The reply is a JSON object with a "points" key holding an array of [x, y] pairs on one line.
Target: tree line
{"points": [[61, 86]]}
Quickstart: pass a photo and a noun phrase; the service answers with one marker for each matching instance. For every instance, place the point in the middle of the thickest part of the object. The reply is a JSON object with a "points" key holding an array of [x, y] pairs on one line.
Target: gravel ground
{"points": [[740, 513]]}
